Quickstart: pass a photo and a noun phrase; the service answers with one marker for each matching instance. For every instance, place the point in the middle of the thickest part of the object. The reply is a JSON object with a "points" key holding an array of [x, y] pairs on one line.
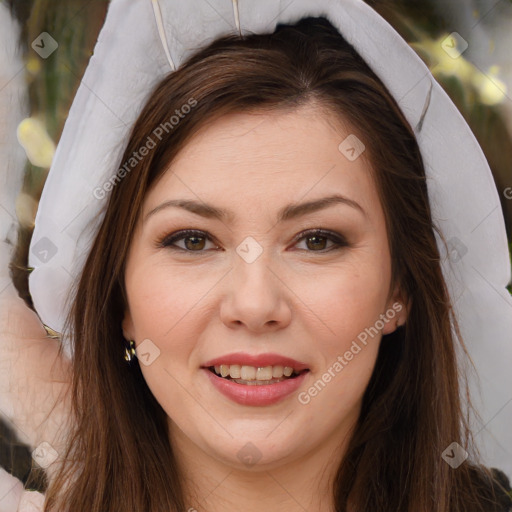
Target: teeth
{"points": [[264, 373], [234, 371], [248, 373], [277, 371], [252, 373]]}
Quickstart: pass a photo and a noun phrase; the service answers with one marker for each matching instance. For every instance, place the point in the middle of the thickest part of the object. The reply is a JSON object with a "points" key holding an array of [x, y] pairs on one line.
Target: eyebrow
{"points": [[289, 212]]}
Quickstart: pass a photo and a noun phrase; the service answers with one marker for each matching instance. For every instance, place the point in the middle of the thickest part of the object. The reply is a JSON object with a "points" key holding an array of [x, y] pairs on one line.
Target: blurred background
{"points": [[479, 82]]}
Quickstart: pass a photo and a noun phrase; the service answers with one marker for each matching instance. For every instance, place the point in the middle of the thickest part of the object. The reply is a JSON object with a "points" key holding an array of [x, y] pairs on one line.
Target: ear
{"points": [[397, 311], [127, 326]]}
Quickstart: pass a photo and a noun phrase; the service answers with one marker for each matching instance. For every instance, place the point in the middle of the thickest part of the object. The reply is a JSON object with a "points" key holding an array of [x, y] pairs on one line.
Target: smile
{"points": [[252, 375], [256, 393], [255, 379]]}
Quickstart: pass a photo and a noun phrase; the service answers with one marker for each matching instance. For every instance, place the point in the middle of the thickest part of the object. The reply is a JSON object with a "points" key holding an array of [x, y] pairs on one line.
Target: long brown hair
{"points": [[119, 456]]}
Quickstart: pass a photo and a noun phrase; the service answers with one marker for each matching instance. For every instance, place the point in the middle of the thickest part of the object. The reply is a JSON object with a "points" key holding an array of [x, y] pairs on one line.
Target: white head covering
{"points": [[143, 41]]}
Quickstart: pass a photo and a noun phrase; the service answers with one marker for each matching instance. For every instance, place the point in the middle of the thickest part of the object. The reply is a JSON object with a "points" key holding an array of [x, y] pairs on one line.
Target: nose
{"points": [[256, 298]]}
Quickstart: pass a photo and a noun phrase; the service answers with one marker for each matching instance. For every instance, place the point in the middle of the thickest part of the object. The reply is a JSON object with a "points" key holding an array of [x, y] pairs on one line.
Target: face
{"points": [[254, 291]]}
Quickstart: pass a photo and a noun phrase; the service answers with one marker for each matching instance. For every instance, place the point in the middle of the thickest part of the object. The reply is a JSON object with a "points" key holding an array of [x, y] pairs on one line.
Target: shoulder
{"points": [[506, 491], [493, 489]]}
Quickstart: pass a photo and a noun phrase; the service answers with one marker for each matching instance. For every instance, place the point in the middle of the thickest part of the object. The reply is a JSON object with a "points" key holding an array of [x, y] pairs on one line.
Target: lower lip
{"points": [[257, 395]]}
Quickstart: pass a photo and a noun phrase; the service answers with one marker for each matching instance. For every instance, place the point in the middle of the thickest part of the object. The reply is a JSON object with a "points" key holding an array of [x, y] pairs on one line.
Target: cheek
{"points": [[161, 298], [163, 305], [349, 297], [346, 309], [158, 307], [347, 302]]}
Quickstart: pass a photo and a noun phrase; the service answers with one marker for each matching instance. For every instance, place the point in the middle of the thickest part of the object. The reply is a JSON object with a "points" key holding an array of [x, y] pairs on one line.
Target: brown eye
{"points": [[317, 240], [193, 241], [196, 241]]}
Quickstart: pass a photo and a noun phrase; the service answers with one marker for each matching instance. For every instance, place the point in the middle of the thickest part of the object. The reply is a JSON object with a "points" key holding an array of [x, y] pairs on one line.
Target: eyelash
{"points": [[167, 240]]}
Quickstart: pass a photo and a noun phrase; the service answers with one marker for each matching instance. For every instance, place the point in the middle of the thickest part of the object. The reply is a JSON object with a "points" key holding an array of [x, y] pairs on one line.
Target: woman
{"points": [[270, 376]]}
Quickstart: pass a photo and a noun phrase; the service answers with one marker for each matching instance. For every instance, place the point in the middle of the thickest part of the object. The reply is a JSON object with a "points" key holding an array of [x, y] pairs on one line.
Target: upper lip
{"points": [[258, 361]]}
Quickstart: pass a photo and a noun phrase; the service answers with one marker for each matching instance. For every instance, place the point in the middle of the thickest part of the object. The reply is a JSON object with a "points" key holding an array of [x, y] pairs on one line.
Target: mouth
{"points": [[256, 376], [255, 380]]}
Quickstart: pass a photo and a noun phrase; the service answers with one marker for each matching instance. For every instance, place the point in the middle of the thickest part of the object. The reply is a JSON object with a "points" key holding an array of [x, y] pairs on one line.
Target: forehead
{"points": [[260, 160]]}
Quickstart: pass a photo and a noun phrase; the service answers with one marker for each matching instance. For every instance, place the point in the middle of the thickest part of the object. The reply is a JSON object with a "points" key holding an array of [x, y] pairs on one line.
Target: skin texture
{"points": [[298, 299]]}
